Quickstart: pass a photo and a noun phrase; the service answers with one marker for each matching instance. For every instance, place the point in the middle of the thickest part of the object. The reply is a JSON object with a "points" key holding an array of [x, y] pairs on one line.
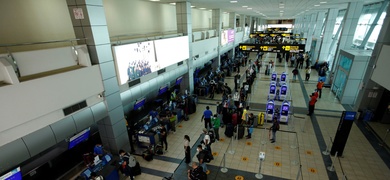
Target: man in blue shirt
{"points": [[98, 150], [207, 117]]}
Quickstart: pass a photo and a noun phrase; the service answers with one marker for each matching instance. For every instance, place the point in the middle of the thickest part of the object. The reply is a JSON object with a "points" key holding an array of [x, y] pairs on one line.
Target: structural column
{"points": [[217, 25], [184, 25], [328, 34], [311, 27], [232, 25], [89, 24], [317, 35], [351, 19]]}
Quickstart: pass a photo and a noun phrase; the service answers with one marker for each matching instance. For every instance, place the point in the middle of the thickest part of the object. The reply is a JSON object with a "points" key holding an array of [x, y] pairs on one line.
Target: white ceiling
{"points": [[270, 9]]}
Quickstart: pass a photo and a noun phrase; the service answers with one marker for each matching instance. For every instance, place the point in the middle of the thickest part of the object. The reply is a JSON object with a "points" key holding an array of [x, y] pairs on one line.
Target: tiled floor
{"points": [[299, 144]]}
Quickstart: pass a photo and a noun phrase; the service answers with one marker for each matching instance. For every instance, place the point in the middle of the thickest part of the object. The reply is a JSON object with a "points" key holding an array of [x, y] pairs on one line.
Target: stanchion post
{"points": [[326, 152], [331, 167], [231, 151], [261, 159], [224, 169], [299, 172]]}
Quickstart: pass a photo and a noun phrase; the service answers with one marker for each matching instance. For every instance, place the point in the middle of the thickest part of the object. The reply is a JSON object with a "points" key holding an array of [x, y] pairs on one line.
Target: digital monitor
{"points": [[107, 158], [178, 80], [87, 173], [273, 76], [270, 106], [146, 127], [78, 138], [162, 90], [14, 174], [139, 104], [350, 115], [285, 108]]}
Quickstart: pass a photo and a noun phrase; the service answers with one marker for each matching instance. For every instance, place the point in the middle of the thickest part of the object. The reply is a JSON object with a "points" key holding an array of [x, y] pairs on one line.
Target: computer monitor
{"points": [[107, 158], [87, 173], [96, 160]]}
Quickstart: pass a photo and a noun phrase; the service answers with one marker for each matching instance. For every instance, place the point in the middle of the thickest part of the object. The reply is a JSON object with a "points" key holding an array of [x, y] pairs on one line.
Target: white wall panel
{"points": [[49, 94], [200, 18], [381, 71]]}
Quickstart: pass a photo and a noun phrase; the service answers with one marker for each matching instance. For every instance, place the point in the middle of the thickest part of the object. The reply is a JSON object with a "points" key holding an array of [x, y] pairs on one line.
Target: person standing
{"points": [[187, 149], [312, 103], [308, 71], [275, 127], [244, 116], [207, 117], [219, 112], [251, 119], [201, 156], [128, 162], [320, 84], [163, 137], [295, 73], [216, 124], [196, 173]]}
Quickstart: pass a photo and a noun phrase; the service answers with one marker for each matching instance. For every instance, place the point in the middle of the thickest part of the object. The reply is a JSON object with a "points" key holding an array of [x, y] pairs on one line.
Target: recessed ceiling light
{"points": [[154, 0], [192, 6], [323, 2], [202, 8], [244, 6], [281, 11], [173, 3], [281, 7], [317, 5], [233, 1], [248, 8], [307, 10]]}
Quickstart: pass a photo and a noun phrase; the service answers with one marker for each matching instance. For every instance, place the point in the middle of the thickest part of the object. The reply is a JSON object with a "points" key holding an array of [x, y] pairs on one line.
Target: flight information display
{"points": [[272, 47], [14, 174]]}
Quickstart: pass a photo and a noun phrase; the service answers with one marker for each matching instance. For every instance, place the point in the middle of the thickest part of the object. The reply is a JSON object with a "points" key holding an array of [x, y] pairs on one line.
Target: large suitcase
{"points": [[260, 119], [241, 131], [136, 170], [147, 155], [229, 130], [234, 119]]}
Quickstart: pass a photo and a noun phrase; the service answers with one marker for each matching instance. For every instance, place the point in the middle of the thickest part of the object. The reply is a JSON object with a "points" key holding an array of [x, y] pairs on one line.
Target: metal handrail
{"points": [[42, 42]]}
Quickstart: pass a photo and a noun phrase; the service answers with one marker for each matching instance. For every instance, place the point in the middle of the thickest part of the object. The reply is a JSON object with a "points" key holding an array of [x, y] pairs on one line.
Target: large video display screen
{"points": [[172, 50], [135, 60]]}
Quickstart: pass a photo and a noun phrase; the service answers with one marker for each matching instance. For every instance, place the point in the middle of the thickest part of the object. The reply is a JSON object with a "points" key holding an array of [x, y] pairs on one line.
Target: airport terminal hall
{"points": [[194, 89]]}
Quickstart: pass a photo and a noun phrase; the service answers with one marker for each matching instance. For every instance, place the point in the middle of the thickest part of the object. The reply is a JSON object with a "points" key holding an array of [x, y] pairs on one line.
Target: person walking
{"points": [[187, 149], [312, 103], [308, 71], [207, 117], [216, 124], [320, 84], [295, 73], [275, 127]]}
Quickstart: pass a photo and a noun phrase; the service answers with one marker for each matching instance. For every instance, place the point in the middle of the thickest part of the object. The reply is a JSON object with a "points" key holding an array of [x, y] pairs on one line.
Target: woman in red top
{"points": [[319, 87], [312, 102]]}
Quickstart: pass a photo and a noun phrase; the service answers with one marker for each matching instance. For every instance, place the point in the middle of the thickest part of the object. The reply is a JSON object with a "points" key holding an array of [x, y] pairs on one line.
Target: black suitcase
{"points": [[241, 131], [229, 130], [136, 169], [147, 155], [159, 150]]}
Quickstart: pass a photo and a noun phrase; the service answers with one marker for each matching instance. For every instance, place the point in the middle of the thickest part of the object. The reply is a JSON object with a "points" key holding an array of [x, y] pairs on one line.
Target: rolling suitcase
{"points": [[147, 155], [260, 119], [241, 131], [234, 119], [229, 130], [136, 169]]}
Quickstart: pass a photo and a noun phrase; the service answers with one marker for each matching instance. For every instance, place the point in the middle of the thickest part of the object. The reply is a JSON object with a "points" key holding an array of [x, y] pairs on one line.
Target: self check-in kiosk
{"points": [[274, 76], [284, 111], [283, 78], [272, 90], [283, 92], [270, 110]]}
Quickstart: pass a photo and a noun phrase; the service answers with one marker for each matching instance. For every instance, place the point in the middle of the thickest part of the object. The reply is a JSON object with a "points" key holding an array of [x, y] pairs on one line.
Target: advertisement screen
{"points": [[15, 174], [139, 103], [283, 90], [171, 51], [78, 138], [135, 60], [227, 36]]}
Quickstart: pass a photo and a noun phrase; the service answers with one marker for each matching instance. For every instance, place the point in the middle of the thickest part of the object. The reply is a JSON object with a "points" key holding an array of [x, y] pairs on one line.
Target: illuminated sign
{"points": [[272, 47]]}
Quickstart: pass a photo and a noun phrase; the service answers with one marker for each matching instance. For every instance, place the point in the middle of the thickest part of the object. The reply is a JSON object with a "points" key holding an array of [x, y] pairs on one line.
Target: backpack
{"points": [[212, 136]]}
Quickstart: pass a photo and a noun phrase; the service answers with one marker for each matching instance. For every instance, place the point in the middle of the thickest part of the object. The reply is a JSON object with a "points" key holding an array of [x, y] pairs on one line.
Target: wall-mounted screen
{"points": [[14, 174], [78, 138], [138, 104], [162, 90], [135, 60], [172, 50], [227, 36]]}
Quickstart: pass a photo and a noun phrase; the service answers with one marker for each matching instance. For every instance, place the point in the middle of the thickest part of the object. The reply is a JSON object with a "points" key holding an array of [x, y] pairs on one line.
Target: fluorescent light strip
{"points": [[233, 1]]}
